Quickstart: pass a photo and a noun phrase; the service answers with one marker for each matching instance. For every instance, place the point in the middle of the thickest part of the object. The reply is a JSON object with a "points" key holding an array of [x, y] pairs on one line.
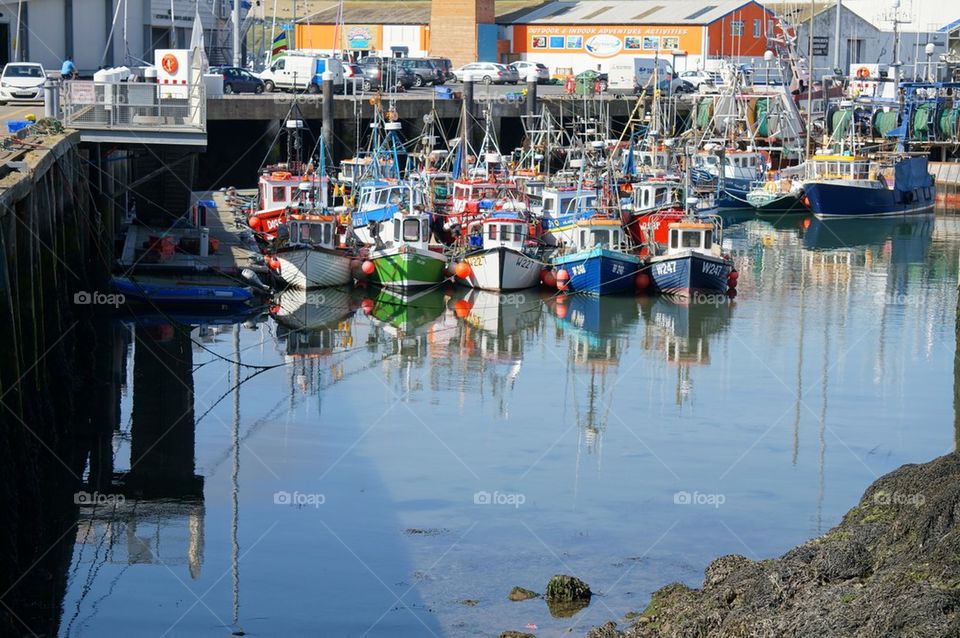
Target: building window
{"points": [[757, 28], [736, 28]]}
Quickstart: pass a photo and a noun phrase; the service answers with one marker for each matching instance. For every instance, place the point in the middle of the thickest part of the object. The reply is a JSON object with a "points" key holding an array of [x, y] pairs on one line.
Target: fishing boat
{"points": [[692, 261], [407, 260], [894, 184], [734, 173], [596, 262], [307, 257], [780, 195], [501, 254]]}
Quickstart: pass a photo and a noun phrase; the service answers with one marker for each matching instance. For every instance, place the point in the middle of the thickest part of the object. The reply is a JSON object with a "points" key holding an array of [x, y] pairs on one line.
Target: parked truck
{"points": [[634, 73], [300, 71]]}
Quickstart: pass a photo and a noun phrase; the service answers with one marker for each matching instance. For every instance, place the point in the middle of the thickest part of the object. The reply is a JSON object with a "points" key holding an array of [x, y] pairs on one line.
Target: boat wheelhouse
{"points": [[376, 205], [280, 192]]}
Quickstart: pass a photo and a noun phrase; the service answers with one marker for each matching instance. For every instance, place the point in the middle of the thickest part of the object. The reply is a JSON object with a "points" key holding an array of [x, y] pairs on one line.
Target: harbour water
{"points": [[362, 465]]}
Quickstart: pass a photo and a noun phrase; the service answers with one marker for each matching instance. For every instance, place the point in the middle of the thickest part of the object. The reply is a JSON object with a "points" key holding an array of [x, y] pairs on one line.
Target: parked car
{"points": [[298, 71], [425, 73], [237, 80], [22, 82], [445, 66], [523, 68], [696, 78], [487, 72], [385, 73], [684, 86]]}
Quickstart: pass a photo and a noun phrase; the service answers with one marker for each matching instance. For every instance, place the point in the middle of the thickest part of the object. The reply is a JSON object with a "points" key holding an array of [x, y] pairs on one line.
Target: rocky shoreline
{"points": [[890, 568]]}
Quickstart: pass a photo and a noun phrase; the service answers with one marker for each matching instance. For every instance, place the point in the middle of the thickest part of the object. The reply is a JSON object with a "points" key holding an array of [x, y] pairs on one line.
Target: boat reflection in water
{"points": [[598, 331], [909, 236], [489, 343], [681, 329]]}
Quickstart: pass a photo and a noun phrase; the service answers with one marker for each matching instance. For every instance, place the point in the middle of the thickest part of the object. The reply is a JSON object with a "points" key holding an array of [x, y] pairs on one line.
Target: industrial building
{"points": [[103, 33], [589, 33], [567, 35], [866, 34]]}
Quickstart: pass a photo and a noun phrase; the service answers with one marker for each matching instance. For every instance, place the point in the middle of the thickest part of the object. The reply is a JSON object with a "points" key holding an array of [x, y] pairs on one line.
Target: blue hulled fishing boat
{"points": [[898, 184], [692, 261], [596, 262]]}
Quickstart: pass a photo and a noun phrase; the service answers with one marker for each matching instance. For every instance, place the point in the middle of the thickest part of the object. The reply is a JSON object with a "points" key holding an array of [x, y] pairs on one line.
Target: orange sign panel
{"points": [[607, 41]]}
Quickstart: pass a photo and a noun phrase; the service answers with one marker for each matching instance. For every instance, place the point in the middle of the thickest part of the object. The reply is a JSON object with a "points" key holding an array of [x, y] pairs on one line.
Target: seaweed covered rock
{"points": [[891, 568]]}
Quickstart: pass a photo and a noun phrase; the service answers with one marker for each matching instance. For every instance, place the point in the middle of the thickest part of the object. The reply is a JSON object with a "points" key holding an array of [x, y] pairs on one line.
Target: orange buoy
{"points": [[563, 277], [462, 270], [462, 308], [367, 305], [806, 201], [642, 281], [806, 223], [272, 262], [254, 222], [275, 309], [561, 308], [548, 279], [368, 267]]}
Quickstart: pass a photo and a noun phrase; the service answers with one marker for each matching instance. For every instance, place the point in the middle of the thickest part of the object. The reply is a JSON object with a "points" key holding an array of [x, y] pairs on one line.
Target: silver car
{"points": [[524, 67], [486, 72]]}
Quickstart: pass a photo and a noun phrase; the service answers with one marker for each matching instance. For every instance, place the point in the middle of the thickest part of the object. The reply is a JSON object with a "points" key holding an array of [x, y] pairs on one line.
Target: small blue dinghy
{"points": [[179, 292]]}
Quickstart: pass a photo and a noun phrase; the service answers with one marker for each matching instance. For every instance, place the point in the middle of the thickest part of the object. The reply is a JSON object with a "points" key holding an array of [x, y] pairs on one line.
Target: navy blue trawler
{"points": [[693, 261], [897, 184]]}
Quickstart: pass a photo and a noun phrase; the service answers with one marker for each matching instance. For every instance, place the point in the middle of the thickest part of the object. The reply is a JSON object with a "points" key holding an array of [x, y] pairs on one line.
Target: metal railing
{"points": [[133, 106]]}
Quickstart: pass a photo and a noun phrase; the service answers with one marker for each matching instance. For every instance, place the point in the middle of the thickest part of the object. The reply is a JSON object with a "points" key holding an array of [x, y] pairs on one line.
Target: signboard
{"points": [[173, 72], [821, 44], [82, 92], [607, 41]]}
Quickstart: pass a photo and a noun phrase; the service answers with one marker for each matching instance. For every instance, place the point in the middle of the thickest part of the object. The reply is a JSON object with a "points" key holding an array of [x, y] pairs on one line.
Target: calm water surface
{"points": [[406, 462]]}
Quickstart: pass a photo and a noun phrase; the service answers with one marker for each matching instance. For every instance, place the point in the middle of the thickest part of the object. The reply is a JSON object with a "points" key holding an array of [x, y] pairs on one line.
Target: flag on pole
{"points": [[279, 45]]}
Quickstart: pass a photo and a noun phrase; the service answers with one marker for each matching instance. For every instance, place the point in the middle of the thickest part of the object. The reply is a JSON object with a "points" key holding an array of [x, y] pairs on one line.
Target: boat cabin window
{"points": [[279, 193], [425, 231], [691, 238], [411, 230], [396, 232], [548, 204], [492, 232], [311, 233], [599, 237]]}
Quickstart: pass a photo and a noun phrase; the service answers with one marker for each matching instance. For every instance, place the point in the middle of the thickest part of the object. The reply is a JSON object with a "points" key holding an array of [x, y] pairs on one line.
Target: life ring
{"points": [[863, 72], [169, 63]]}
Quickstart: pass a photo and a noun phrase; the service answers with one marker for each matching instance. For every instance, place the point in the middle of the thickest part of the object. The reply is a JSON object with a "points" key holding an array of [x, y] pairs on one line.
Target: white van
{"points": [[633, 74], [297, 72]]}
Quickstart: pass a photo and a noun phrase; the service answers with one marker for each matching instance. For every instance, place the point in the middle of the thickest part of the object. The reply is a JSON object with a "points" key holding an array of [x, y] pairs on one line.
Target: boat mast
{"points": [[810, 77]]}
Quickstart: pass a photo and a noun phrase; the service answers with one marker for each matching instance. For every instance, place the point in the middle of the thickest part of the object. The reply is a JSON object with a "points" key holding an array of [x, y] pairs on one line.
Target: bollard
{"points": [[327, 112], [51, 99], [204, 241], [532, 91]]}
